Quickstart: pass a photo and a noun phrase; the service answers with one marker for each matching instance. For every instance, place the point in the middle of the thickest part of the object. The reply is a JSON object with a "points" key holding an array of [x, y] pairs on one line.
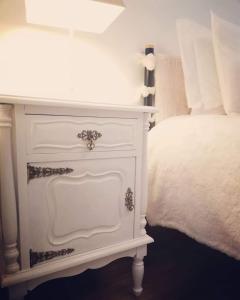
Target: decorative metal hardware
{"points": [[37, 257], [36, 172], [90, 136], [129, 200]]}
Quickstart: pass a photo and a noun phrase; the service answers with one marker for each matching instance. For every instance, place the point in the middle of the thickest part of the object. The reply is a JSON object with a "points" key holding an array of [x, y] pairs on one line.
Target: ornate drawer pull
{"points": [[129, 200], [90, 136], [36, 172]]}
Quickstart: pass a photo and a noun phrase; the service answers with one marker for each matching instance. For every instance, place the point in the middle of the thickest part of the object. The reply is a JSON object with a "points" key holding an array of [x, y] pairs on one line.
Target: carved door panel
{"points": [[78, 206]]}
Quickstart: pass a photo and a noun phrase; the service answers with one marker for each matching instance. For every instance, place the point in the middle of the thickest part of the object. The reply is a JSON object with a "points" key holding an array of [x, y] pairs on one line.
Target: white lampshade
{"points": [[84, 15]]}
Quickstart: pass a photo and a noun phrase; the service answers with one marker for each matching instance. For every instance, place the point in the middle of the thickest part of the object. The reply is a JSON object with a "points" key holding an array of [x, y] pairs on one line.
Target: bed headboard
{"points": [[149, 79], [164, 85]]}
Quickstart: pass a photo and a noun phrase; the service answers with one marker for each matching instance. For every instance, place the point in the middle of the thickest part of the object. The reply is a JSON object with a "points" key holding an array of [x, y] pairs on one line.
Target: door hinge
{"points": [[37, 172], [37, 257]]}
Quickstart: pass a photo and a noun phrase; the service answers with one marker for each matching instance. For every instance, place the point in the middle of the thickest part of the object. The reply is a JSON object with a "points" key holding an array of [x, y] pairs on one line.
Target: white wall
{"points": [[40, 61]]}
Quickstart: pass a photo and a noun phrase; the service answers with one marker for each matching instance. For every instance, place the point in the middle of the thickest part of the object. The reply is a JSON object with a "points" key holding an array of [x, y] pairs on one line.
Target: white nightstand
{"points": [[73, 189]]}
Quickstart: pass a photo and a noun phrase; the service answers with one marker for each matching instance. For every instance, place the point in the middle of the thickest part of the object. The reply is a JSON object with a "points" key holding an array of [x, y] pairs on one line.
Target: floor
{"points": [[176, 268]]}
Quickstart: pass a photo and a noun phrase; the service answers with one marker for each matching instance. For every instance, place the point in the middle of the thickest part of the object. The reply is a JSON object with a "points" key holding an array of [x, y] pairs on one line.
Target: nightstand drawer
{"points": [[59, 134]]}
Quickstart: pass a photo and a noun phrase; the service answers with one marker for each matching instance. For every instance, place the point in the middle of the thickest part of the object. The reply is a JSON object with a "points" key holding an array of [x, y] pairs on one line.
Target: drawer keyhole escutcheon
{"points": [[89, 136], [129, 200]]}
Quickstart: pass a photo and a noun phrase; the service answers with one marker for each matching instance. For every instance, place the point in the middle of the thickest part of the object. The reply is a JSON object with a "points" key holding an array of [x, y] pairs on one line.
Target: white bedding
{"points": [[194, 179]]}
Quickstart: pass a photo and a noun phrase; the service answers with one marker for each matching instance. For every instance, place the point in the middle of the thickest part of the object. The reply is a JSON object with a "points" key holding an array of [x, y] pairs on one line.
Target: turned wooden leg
{"points": [[7, 192], [138, 272]]}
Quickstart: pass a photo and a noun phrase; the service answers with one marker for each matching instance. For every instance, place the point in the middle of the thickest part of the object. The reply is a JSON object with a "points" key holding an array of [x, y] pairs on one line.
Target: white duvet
{"points": [[194, 179]]}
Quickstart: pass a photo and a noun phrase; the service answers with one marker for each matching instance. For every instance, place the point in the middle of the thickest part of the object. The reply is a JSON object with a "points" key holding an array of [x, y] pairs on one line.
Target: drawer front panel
{"points": [[59, 134], [81, 210]]}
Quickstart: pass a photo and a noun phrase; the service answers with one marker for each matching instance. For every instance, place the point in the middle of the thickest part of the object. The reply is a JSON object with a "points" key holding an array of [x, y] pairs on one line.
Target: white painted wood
{"points": [[144, 195], [55, 134], [11, 99], [138, 179], [78, 156], [20, 160], [80, 112], [7, 190], [85, 209], [71, 262], [19, 290], [81, 268], [138, 271]]}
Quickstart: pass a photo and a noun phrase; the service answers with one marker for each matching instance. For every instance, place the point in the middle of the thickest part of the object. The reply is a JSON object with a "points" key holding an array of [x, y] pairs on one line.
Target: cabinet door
{"points": [[78, 206]]}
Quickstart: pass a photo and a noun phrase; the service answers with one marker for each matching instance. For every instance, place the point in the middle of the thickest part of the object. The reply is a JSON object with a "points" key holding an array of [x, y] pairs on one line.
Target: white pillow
{"points": [[226, 41], [207, 73], [199, 67], [213, 111]]}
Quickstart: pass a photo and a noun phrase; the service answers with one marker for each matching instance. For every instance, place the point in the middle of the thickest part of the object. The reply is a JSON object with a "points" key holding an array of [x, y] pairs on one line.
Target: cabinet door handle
{"points": [[129, 200], [89, 136], [37, 172]]}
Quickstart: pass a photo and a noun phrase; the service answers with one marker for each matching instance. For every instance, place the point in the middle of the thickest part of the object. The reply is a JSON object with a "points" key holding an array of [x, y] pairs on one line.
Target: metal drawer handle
{"points": [[90, 136], [129, 200]]}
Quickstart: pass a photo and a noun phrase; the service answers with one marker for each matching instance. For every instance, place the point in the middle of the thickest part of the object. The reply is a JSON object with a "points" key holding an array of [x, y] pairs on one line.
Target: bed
{"points": [[194, 159], [194, 179]]}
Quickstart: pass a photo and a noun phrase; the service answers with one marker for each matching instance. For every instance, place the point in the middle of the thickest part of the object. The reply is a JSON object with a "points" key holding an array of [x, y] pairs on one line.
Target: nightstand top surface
{"points": [[23, 100]]}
